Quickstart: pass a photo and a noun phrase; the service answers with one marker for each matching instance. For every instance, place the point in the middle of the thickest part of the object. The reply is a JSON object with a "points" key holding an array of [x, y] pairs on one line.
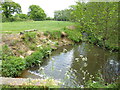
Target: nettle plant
{"points": [[12, 66], [75, 35]]}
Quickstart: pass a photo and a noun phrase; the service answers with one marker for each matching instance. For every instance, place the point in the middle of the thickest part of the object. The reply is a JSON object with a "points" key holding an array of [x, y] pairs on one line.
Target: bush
{"points": [[29, 36], [46, 51], [6, 52], [32, 46], [97, 84], [34, 59], [13, 66], [92, 39], [74, 35], [55, 35], [21, 16]]}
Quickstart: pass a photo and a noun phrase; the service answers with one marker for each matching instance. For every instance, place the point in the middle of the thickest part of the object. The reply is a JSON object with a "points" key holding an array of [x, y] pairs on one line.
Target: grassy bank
{"points": [[41, 44], [29, 49], [15, 27]]}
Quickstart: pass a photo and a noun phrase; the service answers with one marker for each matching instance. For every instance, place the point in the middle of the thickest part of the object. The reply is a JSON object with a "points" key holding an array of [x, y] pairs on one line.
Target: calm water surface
{"points": [[74, 65]]}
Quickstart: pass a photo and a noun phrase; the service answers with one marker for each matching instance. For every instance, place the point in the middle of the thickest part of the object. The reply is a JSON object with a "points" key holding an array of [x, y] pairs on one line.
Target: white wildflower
{"points": [[38, 45], [81, 56], [94, 81]]}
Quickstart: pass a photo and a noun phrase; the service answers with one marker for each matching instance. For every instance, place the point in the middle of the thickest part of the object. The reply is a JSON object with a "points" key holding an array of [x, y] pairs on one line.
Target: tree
{"points": [[9, 8], [36, 13], [99, 20], [62, 15], [21, 16]]}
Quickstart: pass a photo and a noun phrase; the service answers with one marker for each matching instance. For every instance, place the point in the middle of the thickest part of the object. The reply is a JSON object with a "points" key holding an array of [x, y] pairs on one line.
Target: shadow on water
{"points": [[77, 64]]}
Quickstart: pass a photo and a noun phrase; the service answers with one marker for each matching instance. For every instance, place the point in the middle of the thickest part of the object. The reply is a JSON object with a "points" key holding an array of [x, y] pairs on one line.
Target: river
{"points": [[76, 64]]}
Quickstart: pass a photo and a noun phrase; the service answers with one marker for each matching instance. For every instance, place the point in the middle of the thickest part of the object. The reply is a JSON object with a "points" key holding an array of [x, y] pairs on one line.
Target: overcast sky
{"points": [[48, 5]]}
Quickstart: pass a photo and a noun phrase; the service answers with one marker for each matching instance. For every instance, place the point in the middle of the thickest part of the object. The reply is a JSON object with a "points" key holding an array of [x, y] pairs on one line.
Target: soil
{"points": [[20, 48]]}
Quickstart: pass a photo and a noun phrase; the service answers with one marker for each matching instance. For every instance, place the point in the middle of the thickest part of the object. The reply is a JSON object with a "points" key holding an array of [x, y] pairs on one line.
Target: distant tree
{"points": [[36, 13], [49, 18], [21, 16], [9, 8], [62, 15]]}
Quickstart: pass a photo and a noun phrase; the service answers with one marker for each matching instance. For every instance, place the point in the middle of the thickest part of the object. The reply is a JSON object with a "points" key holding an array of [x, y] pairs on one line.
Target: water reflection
{"points": [[79, 64], [111, 71]]}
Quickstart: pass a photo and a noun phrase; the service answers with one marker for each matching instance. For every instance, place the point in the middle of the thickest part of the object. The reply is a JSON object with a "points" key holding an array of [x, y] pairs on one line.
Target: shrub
{"points": [[46, 51], [46, 33], [21, 16], [13, 66], [100, 83], [92, 39], [97, 84], [6, 52], [55, 35], [32, 46], [34, 59], [74, 35], [29, 36]]}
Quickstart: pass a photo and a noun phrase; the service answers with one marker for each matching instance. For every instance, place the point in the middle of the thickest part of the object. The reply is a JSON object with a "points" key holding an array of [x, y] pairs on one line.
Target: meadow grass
{"points": [[39, 25]]}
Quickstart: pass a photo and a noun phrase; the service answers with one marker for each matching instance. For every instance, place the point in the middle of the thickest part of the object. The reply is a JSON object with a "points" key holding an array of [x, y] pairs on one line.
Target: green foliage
{"points": [[74, 35], [100, 83], [49, 18], [97, 84], [62, 15], [100, 19], [93, 39], [21, 16], [12, 66], [55, 34], [6, 52], [29, 36], [34, 59], [10, 8], [46, 51], [32, 46], [36, 13], [37, 57]]}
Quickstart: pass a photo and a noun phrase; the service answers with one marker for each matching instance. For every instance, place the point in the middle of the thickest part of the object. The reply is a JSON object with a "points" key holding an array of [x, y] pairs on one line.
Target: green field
{"points": [[39, 25]]}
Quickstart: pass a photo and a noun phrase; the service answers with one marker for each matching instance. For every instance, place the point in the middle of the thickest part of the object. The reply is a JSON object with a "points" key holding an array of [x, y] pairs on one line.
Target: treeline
{"points": [[99, 20], [62, 15], [11, 11]]}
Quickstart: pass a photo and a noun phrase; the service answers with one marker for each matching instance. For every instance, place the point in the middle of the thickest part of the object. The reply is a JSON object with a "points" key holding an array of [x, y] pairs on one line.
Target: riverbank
{"points": [[28, 49]]}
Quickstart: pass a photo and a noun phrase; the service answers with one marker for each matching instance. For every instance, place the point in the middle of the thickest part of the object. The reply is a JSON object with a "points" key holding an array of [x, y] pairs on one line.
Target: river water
{"points": [[75, 65]]}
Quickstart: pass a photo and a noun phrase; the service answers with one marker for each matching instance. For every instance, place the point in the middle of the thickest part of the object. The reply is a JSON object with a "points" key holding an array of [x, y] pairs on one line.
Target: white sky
{"points": [[49, 6]]}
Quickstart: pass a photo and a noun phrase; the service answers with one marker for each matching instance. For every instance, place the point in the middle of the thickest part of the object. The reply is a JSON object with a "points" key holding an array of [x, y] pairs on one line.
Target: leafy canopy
{"points": [[10, 8], [36, 13]]}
